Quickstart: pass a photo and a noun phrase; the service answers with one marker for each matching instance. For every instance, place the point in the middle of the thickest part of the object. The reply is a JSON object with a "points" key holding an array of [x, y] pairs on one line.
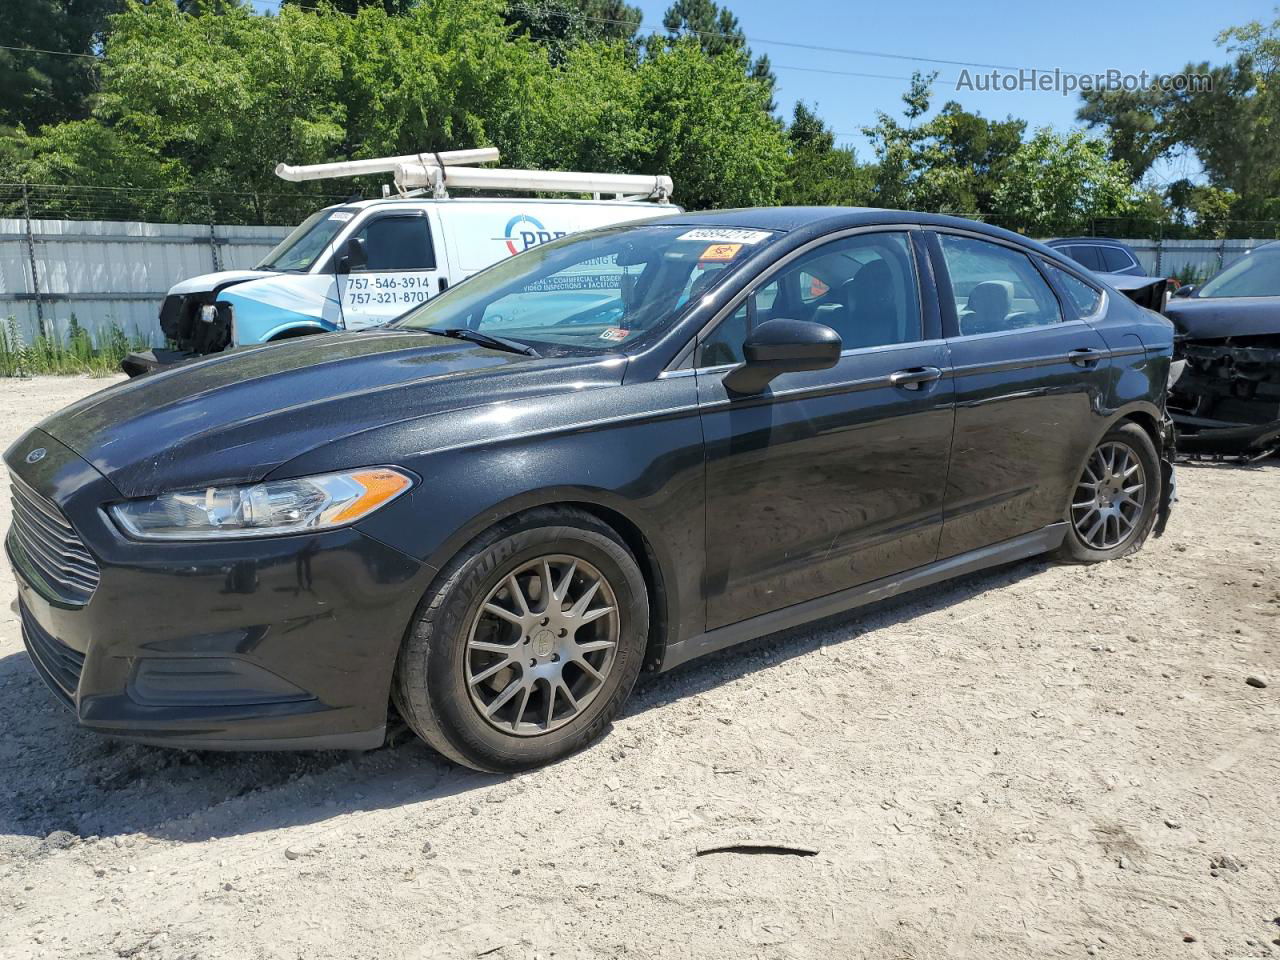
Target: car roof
{"points": [[1111, 241], [828, 219]]}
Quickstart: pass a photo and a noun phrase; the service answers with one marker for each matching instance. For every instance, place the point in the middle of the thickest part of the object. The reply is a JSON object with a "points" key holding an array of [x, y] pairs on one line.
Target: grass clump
{"points": [[78, 352]]}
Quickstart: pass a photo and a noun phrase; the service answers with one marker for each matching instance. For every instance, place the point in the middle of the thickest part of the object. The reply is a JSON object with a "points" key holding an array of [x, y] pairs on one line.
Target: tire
{"points": [[1083, 542], [459, 658]]}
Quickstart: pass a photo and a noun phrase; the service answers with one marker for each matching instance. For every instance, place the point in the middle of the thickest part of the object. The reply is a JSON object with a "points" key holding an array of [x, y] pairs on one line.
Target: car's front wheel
{"points": [[1114, 504], [528, 645]]}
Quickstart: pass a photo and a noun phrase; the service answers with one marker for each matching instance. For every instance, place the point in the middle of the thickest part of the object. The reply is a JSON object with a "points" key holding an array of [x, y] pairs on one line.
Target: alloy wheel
{"points": [[1110, 497], [541, 645]]}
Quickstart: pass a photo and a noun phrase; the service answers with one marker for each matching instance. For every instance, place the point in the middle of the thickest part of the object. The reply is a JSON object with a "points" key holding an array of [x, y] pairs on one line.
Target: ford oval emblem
{"points": [[36, 455]]}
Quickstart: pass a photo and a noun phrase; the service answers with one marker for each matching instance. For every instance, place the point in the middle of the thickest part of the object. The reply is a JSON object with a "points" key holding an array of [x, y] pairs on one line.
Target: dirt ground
{"points": [[1041, 761]]}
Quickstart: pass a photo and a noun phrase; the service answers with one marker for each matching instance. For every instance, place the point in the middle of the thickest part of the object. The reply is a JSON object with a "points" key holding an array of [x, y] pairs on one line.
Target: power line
{"points": [[850, 73], [54, 53]]}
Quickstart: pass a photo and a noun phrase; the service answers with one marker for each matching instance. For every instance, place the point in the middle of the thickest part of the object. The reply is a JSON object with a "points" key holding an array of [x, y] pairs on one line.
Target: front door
{"points": [[1028, 387], [401, 269], [830, 478]]}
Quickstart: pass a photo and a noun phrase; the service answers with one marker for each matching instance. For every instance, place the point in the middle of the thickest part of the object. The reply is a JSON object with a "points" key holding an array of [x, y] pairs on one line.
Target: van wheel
{"points": [[527, 645], [1114, 503]]}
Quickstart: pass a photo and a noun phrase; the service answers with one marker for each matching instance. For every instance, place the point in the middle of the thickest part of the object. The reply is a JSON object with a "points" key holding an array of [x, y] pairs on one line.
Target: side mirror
{"points": [[354, 255], [1185, 290], [783, 346]]}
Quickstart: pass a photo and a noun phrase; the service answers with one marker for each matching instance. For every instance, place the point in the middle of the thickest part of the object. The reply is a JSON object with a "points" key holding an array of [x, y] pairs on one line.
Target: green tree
{"points": [[350, 7], [951, 162], [1231, 129], [717, 31], [40, 88], [819, 172], [1057, 184], [226, 96], [560, 24], [711, 127]]}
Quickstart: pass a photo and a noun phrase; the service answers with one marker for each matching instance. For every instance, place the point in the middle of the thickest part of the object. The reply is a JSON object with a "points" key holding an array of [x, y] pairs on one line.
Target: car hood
{"points": [[234, 417], [207, 282], [1215, 318]]}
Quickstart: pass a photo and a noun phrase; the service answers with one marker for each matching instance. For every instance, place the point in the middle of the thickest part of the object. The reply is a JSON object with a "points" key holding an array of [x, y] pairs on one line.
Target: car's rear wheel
{"points": [[528, 644], [1114, 503]]}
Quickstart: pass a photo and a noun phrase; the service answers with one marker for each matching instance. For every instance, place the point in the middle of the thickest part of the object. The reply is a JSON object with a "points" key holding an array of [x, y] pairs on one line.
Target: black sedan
{"points": [[613, 453]]}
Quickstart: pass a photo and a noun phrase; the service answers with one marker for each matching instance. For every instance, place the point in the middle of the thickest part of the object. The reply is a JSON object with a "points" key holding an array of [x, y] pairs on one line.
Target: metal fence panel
{"points": [[1172, 258], [106, 272]]}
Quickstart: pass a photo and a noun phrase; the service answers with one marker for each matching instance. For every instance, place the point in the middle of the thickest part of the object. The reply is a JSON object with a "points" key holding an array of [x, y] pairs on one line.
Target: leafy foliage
{"points": [[42, 87], [1052, 183], [1232, 130]]}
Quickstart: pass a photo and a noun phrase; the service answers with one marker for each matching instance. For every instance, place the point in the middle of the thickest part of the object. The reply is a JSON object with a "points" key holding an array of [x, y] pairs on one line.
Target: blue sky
{"points": [[1084, 36]]}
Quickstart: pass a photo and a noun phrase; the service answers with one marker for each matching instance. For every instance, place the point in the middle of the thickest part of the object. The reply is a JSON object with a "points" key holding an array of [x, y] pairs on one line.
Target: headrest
{"points": [[991, 298], [873, 283]]}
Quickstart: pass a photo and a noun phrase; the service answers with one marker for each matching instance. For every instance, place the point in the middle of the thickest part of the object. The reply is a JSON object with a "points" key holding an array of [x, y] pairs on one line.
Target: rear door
{"points": [[402, 269], [1029, 383], [829, 478]]}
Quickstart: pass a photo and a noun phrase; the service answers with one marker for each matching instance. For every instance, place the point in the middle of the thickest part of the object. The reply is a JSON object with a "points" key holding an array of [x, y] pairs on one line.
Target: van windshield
{"points": [[596, 291], [308, 241]]}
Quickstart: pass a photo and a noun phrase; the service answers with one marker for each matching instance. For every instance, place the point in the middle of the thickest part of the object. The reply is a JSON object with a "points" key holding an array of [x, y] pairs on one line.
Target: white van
{"points": [[355, 265]]}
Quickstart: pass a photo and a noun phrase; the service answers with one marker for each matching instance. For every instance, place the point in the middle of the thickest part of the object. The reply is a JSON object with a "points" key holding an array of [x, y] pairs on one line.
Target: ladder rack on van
{"points": [[416, 173]]}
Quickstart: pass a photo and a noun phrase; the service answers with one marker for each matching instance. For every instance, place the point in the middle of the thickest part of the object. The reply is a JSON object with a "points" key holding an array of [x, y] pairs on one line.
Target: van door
{"points": [[401, 269]]}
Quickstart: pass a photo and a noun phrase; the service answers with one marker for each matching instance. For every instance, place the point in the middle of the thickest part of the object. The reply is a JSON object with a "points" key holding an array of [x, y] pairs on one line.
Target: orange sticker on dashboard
{"points": [[721, 251]]}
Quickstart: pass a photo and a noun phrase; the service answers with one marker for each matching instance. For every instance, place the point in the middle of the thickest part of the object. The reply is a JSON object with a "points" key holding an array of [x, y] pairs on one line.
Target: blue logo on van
{"points": [[524, 232]]}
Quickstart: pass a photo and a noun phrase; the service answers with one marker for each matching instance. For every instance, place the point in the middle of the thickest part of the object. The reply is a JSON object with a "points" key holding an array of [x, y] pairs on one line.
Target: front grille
{"points": [[51, 547], [58, 664]]}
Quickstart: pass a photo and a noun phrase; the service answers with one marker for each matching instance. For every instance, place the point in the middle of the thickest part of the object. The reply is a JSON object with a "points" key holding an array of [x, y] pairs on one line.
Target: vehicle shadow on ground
{"points": [[59, 779]]}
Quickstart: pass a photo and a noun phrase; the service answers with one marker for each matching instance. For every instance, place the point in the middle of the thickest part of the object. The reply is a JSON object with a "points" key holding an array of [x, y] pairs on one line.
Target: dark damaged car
{"points": [[616, 452], [1226, 391]]}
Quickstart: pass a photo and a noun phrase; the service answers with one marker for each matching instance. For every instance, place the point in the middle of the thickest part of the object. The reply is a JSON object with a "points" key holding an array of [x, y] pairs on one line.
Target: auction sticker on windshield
{"points": [[726, 235]]}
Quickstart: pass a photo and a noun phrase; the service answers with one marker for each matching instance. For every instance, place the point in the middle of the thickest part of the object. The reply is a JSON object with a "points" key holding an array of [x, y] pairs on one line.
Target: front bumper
{"points": [[276, 643]]}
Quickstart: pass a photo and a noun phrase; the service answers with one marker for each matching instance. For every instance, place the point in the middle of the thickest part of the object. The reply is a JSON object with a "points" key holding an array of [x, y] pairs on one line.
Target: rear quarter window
{"points": [[1083, 296], [1116, 259]]}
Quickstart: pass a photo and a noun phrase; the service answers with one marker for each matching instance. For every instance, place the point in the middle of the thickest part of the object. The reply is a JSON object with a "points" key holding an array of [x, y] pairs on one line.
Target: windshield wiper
{"points": [[484, 339]]}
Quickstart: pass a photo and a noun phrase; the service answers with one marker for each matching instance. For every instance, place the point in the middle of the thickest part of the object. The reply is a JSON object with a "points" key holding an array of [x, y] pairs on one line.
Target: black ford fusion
{"points": [[613, 453]]}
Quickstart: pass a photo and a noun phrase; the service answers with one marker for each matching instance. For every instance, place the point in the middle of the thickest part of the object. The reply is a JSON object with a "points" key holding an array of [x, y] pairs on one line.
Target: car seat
{"points": [[870, 316]]}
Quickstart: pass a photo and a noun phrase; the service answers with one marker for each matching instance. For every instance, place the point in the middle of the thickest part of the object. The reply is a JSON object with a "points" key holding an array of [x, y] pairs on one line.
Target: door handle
{"points": [[1084, 357], [914, 377]]}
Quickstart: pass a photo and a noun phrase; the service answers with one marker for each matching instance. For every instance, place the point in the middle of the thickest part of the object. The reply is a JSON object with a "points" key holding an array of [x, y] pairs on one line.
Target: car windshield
{"points": [[300, 249], [1256, 274], [592, 292]]}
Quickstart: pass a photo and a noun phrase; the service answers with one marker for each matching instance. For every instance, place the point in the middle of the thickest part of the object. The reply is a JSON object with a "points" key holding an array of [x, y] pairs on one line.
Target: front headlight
{"points": [[262, 509]]}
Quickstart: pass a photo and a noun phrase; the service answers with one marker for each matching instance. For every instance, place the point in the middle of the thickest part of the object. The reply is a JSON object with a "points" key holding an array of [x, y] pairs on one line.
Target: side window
{"points": [[397, 243], [1084, 254], [996, 288], [1083, 295], [863, 287], [1115, 260]]}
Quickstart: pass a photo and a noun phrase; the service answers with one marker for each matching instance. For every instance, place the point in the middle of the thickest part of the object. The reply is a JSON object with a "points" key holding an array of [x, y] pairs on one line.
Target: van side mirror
{"points": [[1186, 290], [354, 255], [783, 346]]}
